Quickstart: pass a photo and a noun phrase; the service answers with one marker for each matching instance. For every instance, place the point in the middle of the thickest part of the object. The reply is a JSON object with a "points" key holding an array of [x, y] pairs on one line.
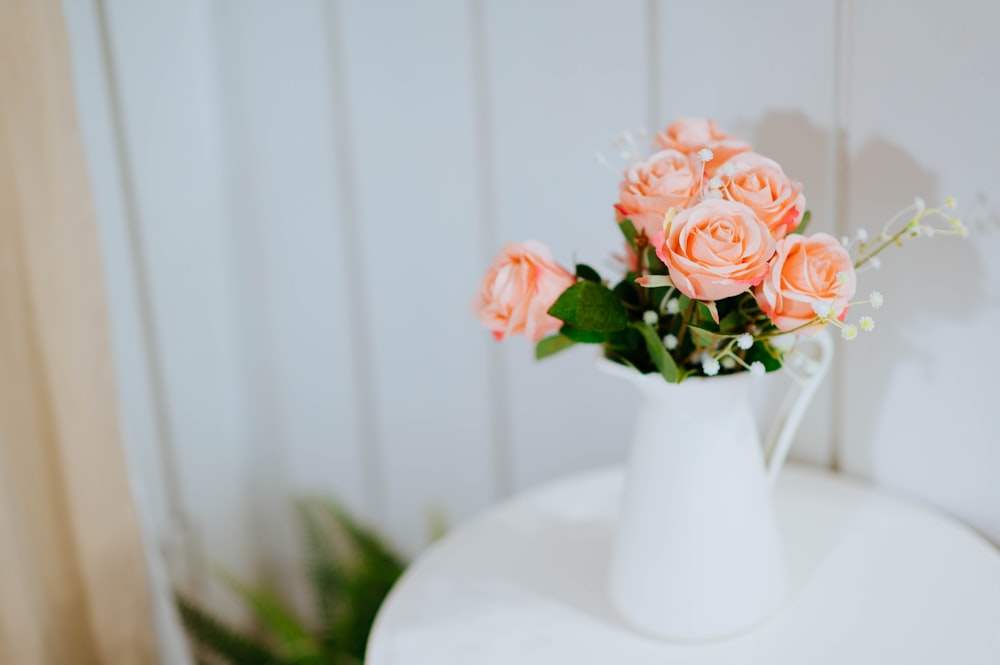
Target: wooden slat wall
{"points": [[317, 186]]}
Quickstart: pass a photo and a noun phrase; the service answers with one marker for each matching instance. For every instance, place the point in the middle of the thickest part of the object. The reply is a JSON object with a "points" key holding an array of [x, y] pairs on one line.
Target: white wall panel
{"points": [[154, 478], [164, 61], [564, 79], [135, 392], [765, 71], [287, 205], [317, 187], [919, 394], [410, 118]]}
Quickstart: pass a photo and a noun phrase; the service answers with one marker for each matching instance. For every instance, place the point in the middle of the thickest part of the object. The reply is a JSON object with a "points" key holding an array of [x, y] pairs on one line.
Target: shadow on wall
{"points": [[802, 148], [929, 282]]}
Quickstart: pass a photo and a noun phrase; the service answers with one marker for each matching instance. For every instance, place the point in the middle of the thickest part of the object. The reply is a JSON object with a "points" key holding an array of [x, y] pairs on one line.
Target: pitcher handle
{"points": [[806, 373]]}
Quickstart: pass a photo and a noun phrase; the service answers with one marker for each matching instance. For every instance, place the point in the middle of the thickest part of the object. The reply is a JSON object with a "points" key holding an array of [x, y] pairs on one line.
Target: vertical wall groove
{"points": [[264, 494], [653, 111], [166, 445], [359, 318], [500, 413], [839, 184]]}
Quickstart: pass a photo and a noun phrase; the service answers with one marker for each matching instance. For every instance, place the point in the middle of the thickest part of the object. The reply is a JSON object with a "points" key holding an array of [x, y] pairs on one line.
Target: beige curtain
{"points": [[73, 588]]}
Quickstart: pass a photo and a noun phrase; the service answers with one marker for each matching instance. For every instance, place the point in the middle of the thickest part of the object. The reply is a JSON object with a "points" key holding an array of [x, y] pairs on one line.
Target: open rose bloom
{"points": [[518, 290], [718, 266]]}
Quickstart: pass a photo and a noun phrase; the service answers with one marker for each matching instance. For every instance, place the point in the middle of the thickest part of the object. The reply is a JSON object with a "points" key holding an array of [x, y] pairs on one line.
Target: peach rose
{"points": [[715, 249], [668, 179], [806, 270], [690, 135], [518, 289], [760, 184]]}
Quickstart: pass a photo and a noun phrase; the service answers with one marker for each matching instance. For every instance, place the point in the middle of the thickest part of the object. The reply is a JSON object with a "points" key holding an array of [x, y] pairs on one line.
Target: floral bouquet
{"points": [[717, 266]]}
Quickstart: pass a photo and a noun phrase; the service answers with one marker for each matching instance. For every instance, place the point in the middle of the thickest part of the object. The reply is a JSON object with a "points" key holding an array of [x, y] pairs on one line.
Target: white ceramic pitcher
{"points": [[697, 553]]}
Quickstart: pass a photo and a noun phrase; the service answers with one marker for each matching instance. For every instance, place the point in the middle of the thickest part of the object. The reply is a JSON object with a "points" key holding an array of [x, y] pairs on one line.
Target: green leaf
{"points": [[621, 340], [628, 230], [294, 639], [620, 359], [627, 291], [552, 345], [765, 353], [732, 323], [702, 337], [582, 336], [583, 271], [707, 314], [372, 572], [225, 642], [657, 352], [653, 262], [325, 569], [590, 306], [711, 335], [366, 543], [351, 570], [806, 218]]}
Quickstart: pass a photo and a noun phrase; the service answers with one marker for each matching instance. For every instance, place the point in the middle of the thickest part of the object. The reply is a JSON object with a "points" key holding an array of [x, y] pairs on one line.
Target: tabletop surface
{"points": [[876, 579]]}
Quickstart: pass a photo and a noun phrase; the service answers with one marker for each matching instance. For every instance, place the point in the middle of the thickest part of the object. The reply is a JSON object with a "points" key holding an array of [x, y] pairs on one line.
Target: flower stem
{"points": [[899, 234], [818, 319], [684, 322], [641, 242]]}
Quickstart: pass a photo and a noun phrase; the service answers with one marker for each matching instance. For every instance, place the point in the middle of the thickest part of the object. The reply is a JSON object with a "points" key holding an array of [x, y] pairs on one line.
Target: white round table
{"points": [[876, 579]]}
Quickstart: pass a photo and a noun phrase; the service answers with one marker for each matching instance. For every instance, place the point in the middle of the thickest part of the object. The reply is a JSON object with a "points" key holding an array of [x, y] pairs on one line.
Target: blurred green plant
{"points": [[351, 571]]}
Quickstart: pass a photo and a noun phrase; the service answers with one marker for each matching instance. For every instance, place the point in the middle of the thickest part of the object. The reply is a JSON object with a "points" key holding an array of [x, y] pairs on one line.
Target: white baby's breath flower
{"points": [[706, 155], [845, 241], [875, 262], [757, 368], [712, 194], [919, 204], [728, 362], [951, 202], [669, 342], [744, 341], [728, 169], [867, 323], [841, 277], [822, 308], [861, 235], [876, 299], [650, 317], [710, 366], [673, 306], [715, 183], [849, 332]]}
